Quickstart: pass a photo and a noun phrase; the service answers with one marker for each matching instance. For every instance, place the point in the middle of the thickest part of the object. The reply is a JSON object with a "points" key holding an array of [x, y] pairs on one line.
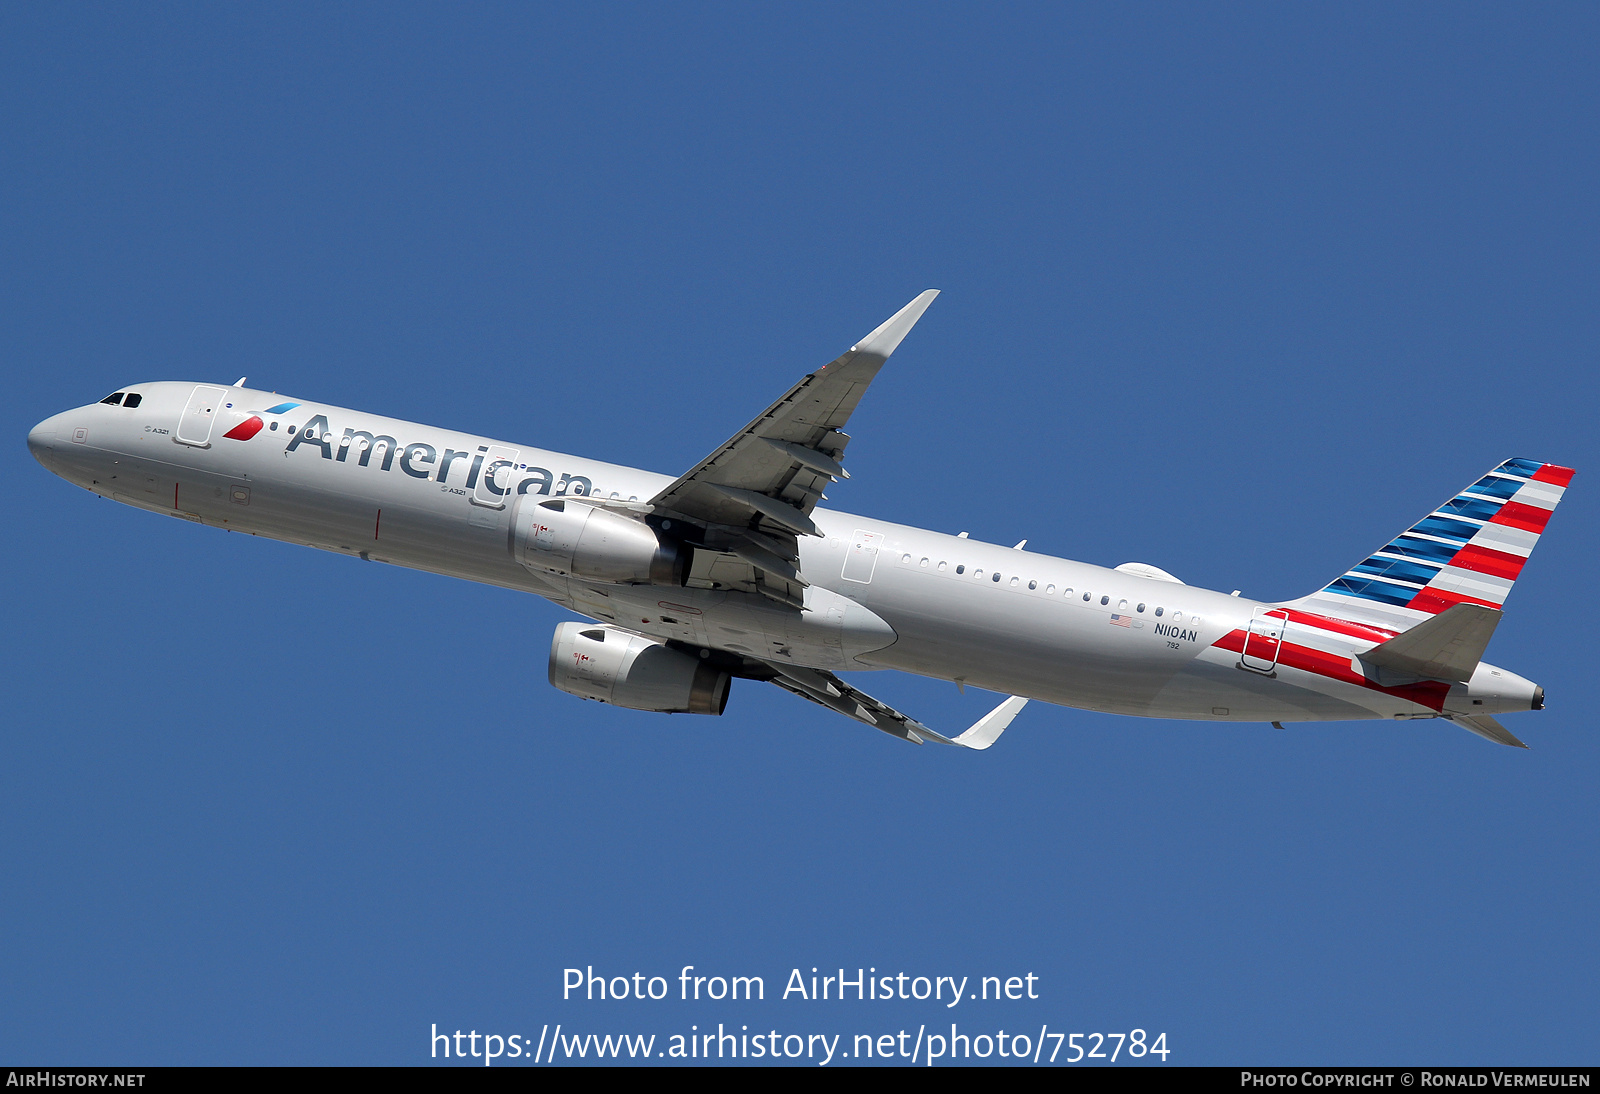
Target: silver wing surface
{"points": [[752, 498]]}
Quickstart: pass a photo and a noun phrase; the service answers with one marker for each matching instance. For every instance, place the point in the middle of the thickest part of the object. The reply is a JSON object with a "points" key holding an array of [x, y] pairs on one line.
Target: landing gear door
{"points": [[497, 478], [1263, 642], [194, 428]]}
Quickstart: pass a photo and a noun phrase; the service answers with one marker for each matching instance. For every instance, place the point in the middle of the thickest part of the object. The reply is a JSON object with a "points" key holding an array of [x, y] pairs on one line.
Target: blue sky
{"points": [[1237, 290]]}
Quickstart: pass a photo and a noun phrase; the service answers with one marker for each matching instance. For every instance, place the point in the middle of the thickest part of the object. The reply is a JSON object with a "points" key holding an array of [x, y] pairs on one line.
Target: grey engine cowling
{"points": [[594, 661], [567, 537]]}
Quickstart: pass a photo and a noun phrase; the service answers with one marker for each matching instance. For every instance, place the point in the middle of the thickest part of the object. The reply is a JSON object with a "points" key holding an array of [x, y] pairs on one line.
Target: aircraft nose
{"points": [[42, 440]]}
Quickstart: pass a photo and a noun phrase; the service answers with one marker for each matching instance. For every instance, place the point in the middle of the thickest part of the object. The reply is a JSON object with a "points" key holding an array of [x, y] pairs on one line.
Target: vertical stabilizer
{"points": [[1470, 550]]}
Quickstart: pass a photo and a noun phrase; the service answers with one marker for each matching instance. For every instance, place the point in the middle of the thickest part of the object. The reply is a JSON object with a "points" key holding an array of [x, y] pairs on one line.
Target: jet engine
{"points": [[566, 537], [593, 661]]}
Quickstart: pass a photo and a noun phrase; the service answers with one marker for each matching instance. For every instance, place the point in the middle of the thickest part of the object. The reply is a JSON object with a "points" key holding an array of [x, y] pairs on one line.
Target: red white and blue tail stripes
{"points": [[1469, 550]]}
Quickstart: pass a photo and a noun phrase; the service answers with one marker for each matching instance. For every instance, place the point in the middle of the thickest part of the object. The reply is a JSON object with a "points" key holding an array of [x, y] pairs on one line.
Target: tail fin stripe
{"points": [[1560, 476], [1496, 486], [1530, 518], [1436, 524], [1424, 536], [1468, 551], [1427, 550], [1537, 493], [1435, 600], [1374, 590], [1420, 572], [1473, 584], [1340, 626], [1503, 537], [1482, 509], [1486, 561]]}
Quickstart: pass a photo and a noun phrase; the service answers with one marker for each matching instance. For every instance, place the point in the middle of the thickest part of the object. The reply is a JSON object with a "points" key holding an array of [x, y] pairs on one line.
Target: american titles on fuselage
{"points": [[423, 461]]}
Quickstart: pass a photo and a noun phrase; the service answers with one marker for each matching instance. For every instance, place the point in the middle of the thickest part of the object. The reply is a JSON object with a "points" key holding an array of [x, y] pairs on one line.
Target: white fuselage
{"points": [[882, 595]]}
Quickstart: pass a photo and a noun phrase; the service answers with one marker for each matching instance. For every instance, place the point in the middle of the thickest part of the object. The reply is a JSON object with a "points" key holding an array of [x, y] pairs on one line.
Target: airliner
{"points": [[732, 570]]}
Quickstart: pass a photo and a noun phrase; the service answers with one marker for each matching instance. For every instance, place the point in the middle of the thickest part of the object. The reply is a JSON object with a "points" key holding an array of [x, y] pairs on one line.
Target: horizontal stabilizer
{"points": [[1446, 647], [1487, 728]]}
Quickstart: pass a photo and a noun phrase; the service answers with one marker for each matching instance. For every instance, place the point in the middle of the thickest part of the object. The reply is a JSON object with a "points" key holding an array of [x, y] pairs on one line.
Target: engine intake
{"points": [[594, 661], [565, 537]]}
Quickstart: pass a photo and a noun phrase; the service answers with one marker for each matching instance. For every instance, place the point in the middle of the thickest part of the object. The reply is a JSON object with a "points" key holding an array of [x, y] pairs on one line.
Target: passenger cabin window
{"points": [[997, 579], [1159, 611], [1086, 597], [114, 399], [942, 565], [133, 400], [1104, 600], [1122, 605], [961, 569], [1033, 584], [1140, 608], [1049, 590], [1177, 617]]}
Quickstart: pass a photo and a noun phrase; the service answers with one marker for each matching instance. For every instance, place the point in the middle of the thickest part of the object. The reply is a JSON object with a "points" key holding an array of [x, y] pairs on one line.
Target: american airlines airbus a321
{"points": [[731, 571]]}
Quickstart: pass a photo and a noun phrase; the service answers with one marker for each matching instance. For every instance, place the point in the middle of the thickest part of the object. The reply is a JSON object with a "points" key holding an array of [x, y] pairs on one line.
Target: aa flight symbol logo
{"points": [[254, 424]]}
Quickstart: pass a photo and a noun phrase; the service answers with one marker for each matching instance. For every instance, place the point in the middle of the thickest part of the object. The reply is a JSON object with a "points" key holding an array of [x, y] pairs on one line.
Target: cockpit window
{"points": [[133, 400], [114, 399]]}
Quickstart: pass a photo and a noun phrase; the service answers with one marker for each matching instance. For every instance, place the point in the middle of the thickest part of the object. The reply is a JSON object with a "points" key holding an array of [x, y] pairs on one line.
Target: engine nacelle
{"points": [[594, 661], [566, 537]]}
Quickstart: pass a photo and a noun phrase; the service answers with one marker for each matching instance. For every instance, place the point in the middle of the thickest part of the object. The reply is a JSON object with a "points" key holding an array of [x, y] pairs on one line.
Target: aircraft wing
{"points": [[827, 690], [754, 495]]}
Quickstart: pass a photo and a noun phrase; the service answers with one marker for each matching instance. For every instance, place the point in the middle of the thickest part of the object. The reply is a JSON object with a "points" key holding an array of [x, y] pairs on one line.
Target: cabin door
{"points": [[1264, 640]]}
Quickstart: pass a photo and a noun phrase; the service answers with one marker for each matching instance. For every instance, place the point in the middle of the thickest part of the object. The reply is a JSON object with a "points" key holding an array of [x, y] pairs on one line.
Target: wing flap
{"points": [[827, 690]]}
